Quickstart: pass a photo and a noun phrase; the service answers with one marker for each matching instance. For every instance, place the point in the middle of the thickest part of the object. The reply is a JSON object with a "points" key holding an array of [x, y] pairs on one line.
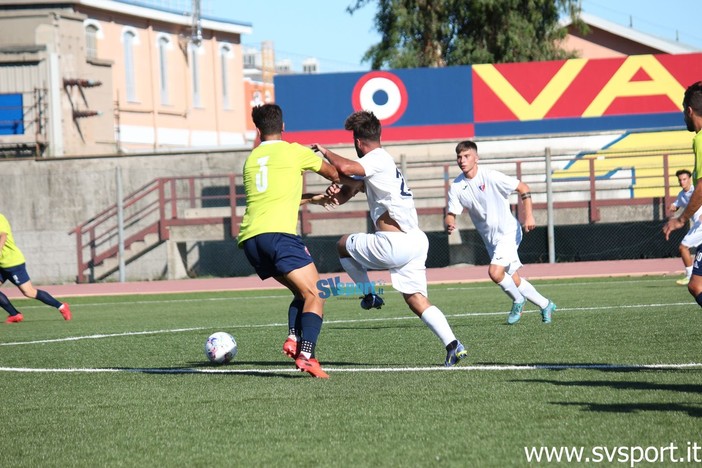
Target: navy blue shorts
{"points": [[17, 274], [276, 254], [697, 265]]}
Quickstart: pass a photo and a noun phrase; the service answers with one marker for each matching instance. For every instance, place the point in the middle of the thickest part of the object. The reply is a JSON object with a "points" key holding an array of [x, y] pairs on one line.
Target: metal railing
{"points": [[588, 184], [153, 209]]}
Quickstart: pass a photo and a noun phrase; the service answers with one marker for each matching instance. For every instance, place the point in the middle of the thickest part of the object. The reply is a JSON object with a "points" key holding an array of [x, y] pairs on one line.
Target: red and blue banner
{"points": [[516, 99]]}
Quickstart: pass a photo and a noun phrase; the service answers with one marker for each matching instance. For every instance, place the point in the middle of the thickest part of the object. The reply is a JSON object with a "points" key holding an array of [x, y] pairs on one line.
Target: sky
{"points": [[323, 29]]}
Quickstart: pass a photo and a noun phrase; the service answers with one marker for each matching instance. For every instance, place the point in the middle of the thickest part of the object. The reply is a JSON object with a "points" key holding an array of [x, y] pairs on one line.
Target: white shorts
{"points": [[693, 238], [404, 254], [505, 254]]}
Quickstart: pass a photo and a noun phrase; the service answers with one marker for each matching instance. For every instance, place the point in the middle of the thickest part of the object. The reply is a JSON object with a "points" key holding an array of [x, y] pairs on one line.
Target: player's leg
{"points": [[503, 262], [15, 315], [691, 239], [506, 283], [695, 284], [409, 277], [356, 257], [532, 295], [436, 321], [20, 278], [285, 258], [686, 257], [304, 281], [291, 347]]}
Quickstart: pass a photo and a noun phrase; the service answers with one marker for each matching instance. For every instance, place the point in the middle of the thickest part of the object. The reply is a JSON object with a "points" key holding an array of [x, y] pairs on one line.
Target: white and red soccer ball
{"points": [[220, 348]]}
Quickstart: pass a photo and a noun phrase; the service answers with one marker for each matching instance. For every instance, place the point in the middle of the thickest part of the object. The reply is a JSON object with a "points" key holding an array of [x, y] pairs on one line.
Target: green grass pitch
{"points": [[126, 382]]}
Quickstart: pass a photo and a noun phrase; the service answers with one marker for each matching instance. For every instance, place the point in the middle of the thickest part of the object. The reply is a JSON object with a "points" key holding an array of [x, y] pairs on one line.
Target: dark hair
{"points": [[680, 172], [466, 145], [693, 98], [268, 118], [364, 125]]}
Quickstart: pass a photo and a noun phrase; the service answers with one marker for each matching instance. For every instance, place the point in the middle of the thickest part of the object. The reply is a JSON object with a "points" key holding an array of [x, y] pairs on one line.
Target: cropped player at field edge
{"points": [[397, 244], [485, 194], [268, 233], [692, 114], [13, 268], [693, 238]]}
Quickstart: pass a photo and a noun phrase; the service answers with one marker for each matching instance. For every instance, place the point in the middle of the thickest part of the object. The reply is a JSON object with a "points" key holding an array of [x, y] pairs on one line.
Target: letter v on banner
{"points": [[622, 85], [549, 95]]}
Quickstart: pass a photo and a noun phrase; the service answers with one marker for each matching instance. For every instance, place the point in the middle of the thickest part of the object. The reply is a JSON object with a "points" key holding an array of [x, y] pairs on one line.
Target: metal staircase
{"points": [[150, 214]]}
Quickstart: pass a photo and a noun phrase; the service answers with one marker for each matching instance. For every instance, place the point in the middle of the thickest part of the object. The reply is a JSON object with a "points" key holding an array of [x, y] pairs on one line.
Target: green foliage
{"points": [[437, 33], [126, 382]]}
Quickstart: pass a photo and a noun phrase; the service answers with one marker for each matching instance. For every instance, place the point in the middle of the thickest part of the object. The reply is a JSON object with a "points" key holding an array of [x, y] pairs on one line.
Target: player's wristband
{"points": [[526, 195]]}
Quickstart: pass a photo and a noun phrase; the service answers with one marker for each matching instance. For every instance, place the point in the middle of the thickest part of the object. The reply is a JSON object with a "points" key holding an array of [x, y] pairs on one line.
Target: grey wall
{"points": [[45, 199]]}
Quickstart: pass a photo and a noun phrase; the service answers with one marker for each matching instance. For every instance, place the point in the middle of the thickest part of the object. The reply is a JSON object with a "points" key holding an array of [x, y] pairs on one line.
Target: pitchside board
{"points": [[493, 101]]}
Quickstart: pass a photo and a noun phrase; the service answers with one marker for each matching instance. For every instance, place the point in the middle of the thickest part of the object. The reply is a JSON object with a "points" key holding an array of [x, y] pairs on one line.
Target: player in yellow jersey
{"points": [[692, 113], [12, 267], [268, 233]]}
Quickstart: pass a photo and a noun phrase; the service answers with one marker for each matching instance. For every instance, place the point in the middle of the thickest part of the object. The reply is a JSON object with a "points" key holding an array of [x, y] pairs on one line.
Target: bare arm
{"points": [[525, 196], [450, 223], [344, 193], [329, 172], [321, 199], [346, 167]]}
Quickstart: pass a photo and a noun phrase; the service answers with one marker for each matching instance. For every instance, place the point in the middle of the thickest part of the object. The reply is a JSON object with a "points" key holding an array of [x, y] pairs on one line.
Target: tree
{"points": [[437, 33]]}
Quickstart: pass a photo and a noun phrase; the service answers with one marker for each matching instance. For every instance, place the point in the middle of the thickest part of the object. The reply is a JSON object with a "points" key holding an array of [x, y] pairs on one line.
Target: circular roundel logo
{"points": [[382, 93]]}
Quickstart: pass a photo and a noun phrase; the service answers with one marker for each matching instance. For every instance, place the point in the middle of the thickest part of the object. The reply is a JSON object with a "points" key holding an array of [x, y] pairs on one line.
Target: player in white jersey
{"points": [[693, 238], [484, 193], [397, 244]]}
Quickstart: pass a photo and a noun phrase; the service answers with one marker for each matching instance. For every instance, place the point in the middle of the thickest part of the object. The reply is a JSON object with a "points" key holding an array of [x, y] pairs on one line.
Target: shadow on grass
{"points": [[212, 370], [631, 385], [691, 410], [271, 369]]}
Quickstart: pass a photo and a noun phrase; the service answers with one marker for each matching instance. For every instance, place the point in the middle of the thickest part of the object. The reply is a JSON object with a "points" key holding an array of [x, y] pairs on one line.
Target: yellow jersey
{"points": [[10, 255], [273, 183], [697, 150]]}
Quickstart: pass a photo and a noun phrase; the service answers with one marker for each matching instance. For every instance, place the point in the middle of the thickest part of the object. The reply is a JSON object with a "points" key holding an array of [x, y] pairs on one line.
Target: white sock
{"points": [[437, 323], [532, 295], [355, 270], [688, 272], [508, 286]]}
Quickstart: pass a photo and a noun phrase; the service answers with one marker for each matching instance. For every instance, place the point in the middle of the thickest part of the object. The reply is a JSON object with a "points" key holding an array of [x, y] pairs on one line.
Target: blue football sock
{"points": [[47, 299], [7, 305], [295, 317], [699, 299], [311, 326]]}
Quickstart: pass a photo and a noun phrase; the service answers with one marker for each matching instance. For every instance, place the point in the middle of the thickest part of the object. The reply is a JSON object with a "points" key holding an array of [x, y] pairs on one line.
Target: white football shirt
{"points": [[486, 198], [386, 190], [684, 198]]}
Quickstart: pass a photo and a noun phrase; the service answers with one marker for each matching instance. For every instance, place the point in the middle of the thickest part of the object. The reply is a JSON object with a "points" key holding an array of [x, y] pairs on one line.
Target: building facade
{"points": [[103, 76]]}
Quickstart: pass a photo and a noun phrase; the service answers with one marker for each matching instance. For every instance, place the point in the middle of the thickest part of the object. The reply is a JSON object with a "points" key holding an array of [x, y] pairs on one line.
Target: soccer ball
{"points": [[220, 348]]}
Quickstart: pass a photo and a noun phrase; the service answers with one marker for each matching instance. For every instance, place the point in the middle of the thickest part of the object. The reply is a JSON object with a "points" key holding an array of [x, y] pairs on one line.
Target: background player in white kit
{"points": [[484, 193], [693, 238], [397, 244]]}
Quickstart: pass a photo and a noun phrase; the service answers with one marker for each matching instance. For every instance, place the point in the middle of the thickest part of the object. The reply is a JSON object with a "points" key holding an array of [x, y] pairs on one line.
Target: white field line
{"points": [[286, 296], [327, 322], [228, 370]]}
